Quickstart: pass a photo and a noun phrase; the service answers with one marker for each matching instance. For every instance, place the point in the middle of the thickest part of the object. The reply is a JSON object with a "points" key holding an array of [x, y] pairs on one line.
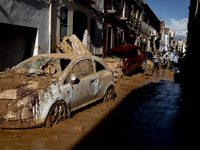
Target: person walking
{"points": [[156, 61], [171, 55], [175, 60]]}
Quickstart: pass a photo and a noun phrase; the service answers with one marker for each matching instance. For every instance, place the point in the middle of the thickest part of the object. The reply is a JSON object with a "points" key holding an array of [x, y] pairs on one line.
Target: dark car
{"points": [[124, 59]]}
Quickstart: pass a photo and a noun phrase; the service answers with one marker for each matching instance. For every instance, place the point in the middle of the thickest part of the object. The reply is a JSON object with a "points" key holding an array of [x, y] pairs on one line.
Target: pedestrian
{"points": [[162, 58], [165, 60], [175, 60], [171, 55], [156, 61]]}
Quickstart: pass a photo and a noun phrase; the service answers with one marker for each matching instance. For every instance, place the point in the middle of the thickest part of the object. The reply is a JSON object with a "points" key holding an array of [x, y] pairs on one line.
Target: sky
{"points": [[174, 12]]}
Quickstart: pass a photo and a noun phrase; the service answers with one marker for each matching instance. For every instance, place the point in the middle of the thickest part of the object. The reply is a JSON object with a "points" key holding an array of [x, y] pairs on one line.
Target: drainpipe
{"points": [[50, 13]]}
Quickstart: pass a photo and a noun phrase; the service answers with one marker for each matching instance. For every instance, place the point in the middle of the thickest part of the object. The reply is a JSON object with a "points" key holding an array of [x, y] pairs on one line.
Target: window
{"points": [[109, 38], [100, 3], [99, 66], [111, 4], [123, 9], [121, 40], [131, 53], [64, 63], [116, 37], [82, 69], [63, 22]]}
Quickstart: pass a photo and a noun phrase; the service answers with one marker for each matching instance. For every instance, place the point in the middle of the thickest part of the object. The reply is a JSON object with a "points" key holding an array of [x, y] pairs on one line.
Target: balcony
{"points": [[86, 1], [134, 24]]}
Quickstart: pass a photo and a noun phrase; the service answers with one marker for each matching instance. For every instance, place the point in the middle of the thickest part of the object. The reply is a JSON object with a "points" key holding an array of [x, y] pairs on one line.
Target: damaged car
{"points": [[124, 59], [45, 89]]}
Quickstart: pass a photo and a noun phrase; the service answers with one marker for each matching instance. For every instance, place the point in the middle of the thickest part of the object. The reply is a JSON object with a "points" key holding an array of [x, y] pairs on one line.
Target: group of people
{"points": [[166, 59]]}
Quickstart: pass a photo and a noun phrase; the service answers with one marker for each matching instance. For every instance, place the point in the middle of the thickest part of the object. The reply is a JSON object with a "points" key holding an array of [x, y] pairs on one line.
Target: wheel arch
{"points": [[46, 117]]}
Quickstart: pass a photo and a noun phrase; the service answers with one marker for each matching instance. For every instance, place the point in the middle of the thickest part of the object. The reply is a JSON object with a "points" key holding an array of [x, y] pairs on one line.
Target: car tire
{"points": [[110, 95], [56, 114], [143, 65]]}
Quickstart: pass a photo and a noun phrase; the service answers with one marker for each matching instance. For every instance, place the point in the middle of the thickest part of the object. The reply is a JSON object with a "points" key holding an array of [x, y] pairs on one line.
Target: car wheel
{"points": [[143, 65], [56, 114], [109, 96]]}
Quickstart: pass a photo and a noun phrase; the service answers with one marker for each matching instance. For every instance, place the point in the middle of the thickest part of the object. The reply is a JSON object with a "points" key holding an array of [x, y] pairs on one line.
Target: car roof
{"points": [[124, 48], [72, 57]]}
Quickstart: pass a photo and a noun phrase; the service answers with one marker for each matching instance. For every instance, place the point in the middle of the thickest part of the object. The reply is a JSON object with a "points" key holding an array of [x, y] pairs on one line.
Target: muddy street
{"points": [[148, 113]]}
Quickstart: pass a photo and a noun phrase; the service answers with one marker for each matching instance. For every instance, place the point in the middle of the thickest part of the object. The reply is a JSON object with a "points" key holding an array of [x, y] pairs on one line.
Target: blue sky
{"points": [[173, 12]]}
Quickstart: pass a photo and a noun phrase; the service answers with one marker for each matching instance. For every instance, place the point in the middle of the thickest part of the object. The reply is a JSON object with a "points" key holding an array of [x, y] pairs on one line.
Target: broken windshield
{"points": [[41, 65], [113, 56]]}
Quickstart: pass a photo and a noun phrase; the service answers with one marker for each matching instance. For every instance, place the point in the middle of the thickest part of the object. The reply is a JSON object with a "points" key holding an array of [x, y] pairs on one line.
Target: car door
{"points": [[130, 60], [140, 57], [82, 90], [101, 77]]}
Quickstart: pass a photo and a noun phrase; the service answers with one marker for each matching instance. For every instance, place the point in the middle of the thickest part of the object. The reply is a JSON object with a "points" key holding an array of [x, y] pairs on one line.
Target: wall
{"points": [[24, 30], [28, 13]]}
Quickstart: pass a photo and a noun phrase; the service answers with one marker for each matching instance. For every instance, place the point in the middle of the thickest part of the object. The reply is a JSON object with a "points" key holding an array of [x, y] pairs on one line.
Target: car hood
{"points": [[112, 65], [16, 87]]}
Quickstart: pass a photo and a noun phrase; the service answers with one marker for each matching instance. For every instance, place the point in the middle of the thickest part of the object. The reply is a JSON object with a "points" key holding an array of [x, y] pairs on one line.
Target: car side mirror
{"points": [[74, 79]]}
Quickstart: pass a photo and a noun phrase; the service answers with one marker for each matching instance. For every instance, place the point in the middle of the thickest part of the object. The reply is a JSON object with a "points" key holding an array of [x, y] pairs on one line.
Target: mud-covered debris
{"points": [[73, 45]]}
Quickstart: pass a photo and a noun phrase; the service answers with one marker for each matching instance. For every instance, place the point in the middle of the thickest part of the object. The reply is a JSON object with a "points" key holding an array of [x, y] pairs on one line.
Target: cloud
{"points": [[179, 26]]}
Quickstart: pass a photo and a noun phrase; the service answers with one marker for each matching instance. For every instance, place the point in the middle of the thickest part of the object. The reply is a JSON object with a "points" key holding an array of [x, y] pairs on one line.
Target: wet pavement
{"points": [[152, 117]]}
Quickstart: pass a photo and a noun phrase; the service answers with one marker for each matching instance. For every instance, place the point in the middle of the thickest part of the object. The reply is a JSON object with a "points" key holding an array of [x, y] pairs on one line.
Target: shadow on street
{"points": [[154, 116]]}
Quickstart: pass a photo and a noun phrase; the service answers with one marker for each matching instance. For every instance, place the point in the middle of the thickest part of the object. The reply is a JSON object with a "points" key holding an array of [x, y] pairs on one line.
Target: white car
{"points": [[45, 89]]}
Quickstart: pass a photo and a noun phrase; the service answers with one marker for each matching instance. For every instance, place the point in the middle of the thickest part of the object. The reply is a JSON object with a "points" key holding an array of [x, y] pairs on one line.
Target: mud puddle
{"points": [[87, 123]]}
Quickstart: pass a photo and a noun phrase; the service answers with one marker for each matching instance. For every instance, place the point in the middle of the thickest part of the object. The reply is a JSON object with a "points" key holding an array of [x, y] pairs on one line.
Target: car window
{"points": [[82, 69], [113, 55], [131, 53], [99, 66], [64, 63]]}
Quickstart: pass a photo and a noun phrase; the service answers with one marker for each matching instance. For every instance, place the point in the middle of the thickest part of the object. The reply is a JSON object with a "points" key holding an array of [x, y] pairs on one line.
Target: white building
{"points": [[181, 46], [167, 46], [162, 39]]}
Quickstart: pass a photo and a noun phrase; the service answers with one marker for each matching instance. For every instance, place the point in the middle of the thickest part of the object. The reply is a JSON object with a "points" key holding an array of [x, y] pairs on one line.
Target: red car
{"points": [[124, 59]]}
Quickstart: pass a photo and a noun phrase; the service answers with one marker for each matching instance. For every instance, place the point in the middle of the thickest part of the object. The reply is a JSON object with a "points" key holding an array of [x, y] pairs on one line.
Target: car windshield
{"points": [[42, 65], [113, 56]]}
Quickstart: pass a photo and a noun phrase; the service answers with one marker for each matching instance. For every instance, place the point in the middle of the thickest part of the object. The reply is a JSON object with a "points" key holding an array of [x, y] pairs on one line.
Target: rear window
{"points": [[113, 56]]}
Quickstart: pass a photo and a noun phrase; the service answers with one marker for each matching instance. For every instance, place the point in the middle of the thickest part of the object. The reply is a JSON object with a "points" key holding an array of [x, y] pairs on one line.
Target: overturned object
{"points": [[73, 45]]}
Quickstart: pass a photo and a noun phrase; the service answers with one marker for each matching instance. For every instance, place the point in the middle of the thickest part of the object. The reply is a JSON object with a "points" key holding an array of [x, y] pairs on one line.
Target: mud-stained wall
{"points": [[28, 13]]}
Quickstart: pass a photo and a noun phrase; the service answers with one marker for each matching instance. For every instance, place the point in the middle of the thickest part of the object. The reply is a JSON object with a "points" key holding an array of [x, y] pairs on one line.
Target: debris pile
{"points": [[73, 45]]}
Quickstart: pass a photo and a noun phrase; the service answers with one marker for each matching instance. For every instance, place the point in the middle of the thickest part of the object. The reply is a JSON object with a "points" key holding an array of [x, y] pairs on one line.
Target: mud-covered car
{"points": [[124, 59], [45, 89]]}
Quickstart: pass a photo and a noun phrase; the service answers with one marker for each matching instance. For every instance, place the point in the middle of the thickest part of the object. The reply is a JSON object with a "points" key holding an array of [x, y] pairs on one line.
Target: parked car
{"points": [[124, 59], [45, 89]]}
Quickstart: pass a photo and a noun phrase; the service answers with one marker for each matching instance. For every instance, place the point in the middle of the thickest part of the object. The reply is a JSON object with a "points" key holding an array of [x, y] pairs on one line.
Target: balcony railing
{"points": [[86, 1], [134, 23]]}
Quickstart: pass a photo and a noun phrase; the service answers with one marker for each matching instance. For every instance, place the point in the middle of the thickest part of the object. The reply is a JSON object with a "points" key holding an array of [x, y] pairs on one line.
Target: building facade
{"points": [[78, 17], [150, 29], [32, 27], [24, 30], [122, 22]]}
